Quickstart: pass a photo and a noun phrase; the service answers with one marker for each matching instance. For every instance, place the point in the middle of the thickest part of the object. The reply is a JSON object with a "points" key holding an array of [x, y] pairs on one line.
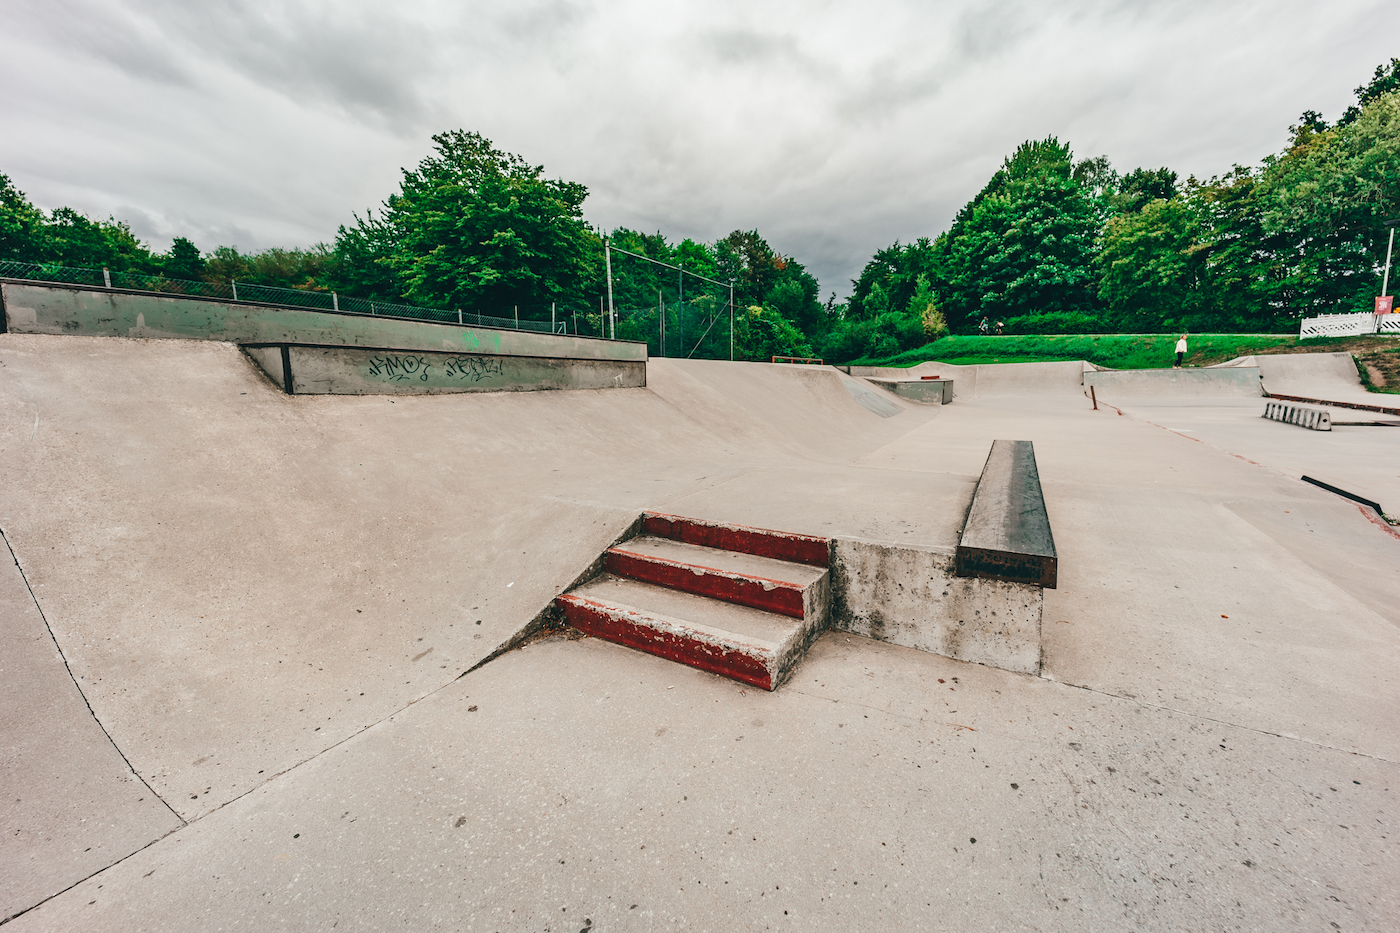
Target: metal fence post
{"points": [[106, 277], [459, 316], [235, 288], [335, 302]]}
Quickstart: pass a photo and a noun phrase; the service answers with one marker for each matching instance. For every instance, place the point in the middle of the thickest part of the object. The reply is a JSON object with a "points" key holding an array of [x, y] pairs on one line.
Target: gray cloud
{"points": [[833, 128]]}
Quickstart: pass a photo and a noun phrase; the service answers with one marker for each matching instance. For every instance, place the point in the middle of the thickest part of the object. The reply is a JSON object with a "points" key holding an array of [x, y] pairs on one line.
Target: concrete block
{"points": [[1007, 532], [924, 390], [911, 596]]}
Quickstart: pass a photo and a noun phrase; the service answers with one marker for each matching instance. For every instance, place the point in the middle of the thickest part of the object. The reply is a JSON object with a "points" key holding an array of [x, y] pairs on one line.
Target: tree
{"points": [[478, 228], [21, 224], [1152, 267], [72, 239], [1141, 186], [1024, 245], [761, 333], [1385, 80], [183, 261], [1326, 198], [890, 279]]}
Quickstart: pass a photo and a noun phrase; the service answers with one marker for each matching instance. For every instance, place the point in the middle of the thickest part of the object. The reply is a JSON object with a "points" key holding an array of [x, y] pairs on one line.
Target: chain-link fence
{"points": [[682, 329], [267, 294]]}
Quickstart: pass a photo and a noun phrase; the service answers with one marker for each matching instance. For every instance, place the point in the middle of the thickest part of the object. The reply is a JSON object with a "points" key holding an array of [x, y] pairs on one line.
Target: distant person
{"points": [[1000, 326], [1180, 351], [983, 327]]}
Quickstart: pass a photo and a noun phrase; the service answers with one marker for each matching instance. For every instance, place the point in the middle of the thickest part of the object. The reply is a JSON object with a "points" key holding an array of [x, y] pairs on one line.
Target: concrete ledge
{"points": [[1315, 419], [311, 370], [927, 391], [911, 596], [83, 311], [1007, 532]]}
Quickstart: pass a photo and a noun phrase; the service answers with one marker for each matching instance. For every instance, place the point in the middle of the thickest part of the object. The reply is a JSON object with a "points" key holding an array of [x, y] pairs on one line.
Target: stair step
{"points": [[745, 644], [763, 542], [791, 589]]}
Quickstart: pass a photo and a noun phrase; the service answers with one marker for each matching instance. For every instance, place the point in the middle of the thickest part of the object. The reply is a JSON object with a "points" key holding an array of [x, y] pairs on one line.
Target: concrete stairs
{"points": [[742, 602]]}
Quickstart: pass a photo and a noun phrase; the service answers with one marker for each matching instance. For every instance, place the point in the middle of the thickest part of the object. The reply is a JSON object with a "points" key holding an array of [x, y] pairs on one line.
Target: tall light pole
{"points": [[731, 320], [612, 313], [1385, 280]]}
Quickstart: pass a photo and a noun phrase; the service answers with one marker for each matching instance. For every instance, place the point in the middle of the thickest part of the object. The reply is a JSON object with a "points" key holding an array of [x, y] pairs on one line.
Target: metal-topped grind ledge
{"points": [[1007, 532]]}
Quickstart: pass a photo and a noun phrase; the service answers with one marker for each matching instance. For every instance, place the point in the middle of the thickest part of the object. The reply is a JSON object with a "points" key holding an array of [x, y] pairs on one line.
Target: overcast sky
{"points": [[834, 128]]}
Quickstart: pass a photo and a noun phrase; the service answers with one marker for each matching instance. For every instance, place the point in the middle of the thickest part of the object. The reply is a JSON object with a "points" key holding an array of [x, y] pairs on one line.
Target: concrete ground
{"points": [[237, 635]]}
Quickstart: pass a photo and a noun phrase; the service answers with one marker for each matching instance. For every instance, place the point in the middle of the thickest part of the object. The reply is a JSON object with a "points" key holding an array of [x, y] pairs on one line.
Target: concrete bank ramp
{"points": [[1330, 376], [240, 578], [807, 408], [1209, 382], [990, 380]]}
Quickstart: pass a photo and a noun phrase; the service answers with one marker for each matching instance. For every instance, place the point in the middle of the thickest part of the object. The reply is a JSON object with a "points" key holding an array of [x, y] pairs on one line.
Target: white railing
{"points": [[1388, 323], [1342, 325]]}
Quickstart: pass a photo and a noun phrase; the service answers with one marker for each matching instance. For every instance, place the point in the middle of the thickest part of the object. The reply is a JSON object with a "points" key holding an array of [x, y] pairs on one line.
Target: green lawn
{"points": [[1115, 351]]}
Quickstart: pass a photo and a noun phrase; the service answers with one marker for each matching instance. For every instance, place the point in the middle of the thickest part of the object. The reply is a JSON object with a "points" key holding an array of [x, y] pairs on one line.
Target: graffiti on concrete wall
{"points": [[408, 367], [473, 368]]}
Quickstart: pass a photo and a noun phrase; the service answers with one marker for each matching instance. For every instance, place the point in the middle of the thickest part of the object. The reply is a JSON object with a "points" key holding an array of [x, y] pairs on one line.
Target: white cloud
{"points": [[833, 128]]}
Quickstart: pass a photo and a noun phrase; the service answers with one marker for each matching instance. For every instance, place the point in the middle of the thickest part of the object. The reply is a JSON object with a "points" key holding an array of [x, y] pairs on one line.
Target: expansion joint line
{"points": [[1223, 722], [67, 667]]}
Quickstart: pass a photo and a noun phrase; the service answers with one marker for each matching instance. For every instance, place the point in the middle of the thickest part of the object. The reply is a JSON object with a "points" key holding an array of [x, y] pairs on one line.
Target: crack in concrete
{"points": [[57, 647], [136, 774]]}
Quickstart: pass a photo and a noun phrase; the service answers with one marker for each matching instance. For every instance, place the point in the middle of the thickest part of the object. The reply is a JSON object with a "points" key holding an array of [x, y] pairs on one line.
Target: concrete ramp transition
{"points": [[1237, 381]]}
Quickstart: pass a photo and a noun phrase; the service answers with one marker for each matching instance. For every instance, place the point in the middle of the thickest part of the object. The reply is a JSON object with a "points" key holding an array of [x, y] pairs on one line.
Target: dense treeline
{"points": [[1050, 245]]}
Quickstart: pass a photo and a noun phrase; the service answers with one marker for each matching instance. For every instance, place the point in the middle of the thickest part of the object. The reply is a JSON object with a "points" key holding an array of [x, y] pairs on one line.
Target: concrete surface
{"points": [[72, 805], [993, 380], [1114, 384], [912, 597], [580, 785], [77, 311], [361, 371], [928, 391], [268, 602]]}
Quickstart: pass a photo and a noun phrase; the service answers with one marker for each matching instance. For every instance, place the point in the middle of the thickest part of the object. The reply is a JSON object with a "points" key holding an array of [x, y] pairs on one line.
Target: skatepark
{"points": [[284, 650]]}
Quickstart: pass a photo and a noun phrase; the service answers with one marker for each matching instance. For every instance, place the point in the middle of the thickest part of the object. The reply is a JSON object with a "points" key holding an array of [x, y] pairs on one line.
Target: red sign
{"points": [[1385, 304]]}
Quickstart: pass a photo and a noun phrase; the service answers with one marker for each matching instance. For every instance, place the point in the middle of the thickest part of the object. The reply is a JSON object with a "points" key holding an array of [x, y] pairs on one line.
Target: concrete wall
{"points": [[1240, 381], [361, 371], [927, 391], [59, 309], [981, 380], [909, 596]]}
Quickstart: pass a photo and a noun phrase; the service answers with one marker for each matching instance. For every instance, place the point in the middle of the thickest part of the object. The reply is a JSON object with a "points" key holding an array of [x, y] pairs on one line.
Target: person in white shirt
{"points": [[1180, 351]]}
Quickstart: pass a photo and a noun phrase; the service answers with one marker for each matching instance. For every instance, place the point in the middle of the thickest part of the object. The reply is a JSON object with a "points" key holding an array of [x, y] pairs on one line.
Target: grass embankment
{"points": [[1380, 356]]}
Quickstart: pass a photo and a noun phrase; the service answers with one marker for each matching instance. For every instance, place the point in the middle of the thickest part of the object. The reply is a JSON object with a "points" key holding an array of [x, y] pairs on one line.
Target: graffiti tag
{"points": [[408, 367]]}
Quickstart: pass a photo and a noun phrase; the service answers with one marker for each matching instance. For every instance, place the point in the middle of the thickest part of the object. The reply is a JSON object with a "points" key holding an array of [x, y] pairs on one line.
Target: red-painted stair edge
{"points": [[743, 590], [761, 542], [642, 632]]}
